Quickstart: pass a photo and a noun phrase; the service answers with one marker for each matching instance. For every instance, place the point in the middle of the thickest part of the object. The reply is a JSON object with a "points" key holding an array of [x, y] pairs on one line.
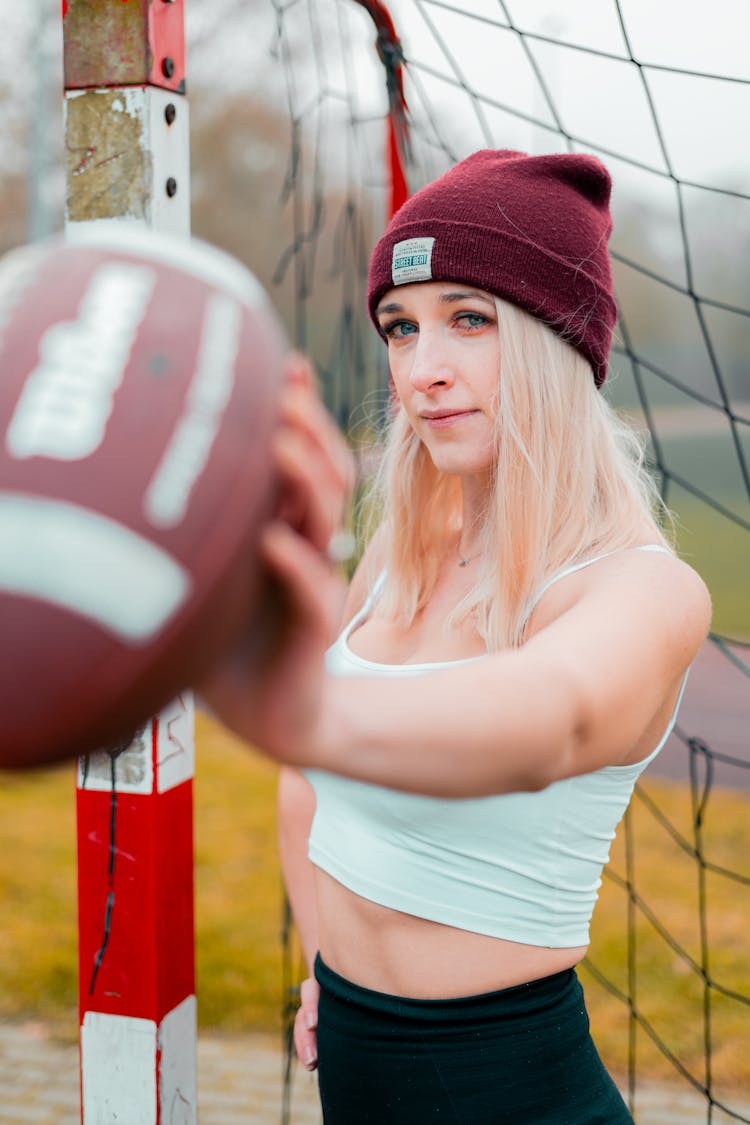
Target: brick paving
{"points": [[239, 1083]]}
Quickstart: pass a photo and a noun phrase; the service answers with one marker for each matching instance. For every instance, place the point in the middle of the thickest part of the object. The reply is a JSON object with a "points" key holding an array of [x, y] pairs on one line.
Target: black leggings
{"points": [[521, 1056]]}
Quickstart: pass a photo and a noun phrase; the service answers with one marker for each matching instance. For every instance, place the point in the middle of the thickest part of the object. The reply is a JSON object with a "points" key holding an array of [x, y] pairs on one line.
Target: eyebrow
{"points": [[447, 298]]}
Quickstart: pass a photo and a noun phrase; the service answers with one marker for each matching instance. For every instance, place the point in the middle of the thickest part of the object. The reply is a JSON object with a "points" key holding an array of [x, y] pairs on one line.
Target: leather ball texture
{"points": [[139, 379]]}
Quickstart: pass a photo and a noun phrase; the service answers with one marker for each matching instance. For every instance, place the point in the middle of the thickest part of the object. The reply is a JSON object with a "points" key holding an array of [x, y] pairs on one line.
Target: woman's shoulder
{"points": [[679, 586], [660, 566], [673, 583], [645, 578]]}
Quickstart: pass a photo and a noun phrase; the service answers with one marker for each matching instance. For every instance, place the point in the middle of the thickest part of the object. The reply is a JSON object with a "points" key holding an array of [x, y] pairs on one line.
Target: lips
{"points": [[438, 415], [446, 419]]}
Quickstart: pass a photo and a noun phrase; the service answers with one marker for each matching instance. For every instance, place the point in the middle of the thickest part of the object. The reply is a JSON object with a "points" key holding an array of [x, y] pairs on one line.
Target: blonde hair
{"points": [[569, 483]]}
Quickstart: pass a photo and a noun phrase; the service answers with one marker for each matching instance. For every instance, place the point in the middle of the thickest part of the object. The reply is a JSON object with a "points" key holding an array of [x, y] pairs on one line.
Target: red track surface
{"points": [[716, 709]]}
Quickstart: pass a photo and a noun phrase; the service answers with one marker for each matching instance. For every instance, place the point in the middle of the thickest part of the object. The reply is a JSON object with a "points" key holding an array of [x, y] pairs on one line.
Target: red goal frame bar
{"points": [[391, 55]]}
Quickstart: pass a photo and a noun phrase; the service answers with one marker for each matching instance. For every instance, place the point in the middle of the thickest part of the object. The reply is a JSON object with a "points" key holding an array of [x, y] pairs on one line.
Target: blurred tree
{"points": [[258, 192], [239, 154], [12, 209]]}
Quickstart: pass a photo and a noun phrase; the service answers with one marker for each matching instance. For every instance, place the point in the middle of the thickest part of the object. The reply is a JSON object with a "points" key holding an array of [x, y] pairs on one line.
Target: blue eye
{"points": [[397, 329], [473, 320]]}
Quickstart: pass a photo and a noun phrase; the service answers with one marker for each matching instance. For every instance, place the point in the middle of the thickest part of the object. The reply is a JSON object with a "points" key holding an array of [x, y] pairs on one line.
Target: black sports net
{"points": [[661, 93]]}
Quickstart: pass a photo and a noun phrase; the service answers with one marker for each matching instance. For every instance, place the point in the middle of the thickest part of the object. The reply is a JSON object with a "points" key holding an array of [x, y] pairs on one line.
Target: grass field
{"points": [[698, 446], [238, 891], [693, 918], [717, 546], [720, 551], [239, 910]]}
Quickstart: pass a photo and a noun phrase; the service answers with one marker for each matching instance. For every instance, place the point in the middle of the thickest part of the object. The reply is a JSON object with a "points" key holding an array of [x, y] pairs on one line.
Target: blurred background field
{"points": [[239, 911]]}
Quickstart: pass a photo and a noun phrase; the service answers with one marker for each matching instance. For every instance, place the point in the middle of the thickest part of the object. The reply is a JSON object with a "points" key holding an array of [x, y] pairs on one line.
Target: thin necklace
{"points": [[461, 560]]}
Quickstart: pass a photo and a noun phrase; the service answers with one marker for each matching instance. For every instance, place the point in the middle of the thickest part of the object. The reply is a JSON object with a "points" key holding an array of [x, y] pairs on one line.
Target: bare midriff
{"points": [[400, 954]]}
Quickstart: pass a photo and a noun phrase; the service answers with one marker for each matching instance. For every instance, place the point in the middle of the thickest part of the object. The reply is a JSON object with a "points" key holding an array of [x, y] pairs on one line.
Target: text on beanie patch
{"points": [[412, 260]]}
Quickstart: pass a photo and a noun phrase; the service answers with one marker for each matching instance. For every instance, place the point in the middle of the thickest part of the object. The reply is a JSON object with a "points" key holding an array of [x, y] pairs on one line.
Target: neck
{"points": [[474, 495]]}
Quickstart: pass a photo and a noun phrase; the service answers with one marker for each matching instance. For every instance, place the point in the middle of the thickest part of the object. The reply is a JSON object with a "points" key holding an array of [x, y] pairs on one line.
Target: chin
{"points": [[462, 466]]}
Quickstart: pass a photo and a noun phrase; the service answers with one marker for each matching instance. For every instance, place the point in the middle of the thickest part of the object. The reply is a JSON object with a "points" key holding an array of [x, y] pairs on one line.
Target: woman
{"points": [[515, 645]]}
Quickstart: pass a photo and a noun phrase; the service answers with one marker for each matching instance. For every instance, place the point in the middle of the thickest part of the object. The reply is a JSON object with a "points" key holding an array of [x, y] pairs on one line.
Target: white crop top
{"points": [[521, 866]]}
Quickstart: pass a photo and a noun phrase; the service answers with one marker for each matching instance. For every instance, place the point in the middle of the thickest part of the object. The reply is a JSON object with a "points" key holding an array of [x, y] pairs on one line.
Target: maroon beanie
{"points": [[530, 229]]}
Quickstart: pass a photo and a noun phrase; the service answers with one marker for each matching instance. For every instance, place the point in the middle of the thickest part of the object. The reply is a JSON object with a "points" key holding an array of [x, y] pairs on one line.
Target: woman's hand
{"points": [[269, 691], [314, 463], [306, 1024]]}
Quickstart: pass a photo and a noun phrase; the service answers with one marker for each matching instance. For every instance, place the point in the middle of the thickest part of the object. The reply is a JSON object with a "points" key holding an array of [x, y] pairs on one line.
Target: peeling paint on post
{"points": [[106, 153], [121, 149]]}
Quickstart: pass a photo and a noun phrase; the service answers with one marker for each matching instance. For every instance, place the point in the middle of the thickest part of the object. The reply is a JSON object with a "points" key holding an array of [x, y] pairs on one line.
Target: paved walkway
{"points": [[239, 1083]]}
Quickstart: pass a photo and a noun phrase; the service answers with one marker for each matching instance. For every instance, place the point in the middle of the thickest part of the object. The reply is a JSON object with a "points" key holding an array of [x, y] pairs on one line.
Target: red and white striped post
{"points": [[136, 934], [126, 143]]}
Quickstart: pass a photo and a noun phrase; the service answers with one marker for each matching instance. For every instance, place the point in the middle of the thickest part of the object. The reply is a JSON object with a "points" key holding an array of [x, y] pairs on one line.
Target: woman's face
{"points": [[444, 355]]}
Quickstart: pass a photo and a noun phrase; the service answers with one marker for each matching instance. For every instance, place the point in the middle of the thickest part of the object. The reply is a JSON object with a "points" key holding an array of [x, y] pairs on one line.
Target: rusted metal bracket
{"points": [[124, 43]]}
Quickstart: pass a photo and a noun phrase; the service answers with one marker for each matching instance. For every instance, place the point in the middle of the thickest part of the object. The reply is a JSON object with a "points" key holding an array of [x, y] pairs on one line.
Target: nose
{"points": [[431, 367]]}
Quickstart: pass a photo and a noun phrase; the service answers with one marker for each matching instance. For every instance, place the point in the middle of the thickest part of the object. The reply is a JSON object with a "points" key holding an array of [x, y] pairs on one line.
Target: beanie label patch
{"points": [[412, 260]]}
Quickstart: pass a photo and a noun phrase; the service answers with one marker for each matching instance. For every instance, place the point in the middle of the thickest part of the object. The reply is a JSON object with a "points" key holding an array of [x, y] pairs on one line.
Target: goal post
{"points": [[126, 161]]}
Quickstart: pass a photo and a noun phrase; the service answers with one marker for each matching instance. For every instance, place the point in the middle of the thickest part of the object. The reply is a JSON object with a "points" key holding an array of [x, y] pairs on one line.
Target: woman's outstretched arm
{"points": [[594, 687]]}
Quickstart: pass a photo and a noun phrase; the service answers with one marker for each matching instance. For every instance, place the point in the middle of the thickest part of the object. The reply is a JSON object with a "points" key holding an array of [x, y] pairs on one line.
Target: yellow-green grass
{"points": [[239, 895], [239, 911], [670, 992], [719, 549]]}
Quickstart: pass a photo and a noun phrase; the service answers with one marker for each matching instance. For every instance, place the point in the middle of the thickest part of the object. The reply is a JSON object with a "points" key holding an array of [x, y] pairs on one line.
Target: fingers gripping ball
{"points": [[139, 378]]}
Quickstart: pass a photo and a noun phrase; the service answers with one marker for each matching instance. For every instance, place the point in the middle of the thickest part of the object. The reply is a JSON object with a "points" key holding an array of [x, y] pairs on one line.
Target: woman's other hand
{"points": [[306, 1024], [313, 461]]}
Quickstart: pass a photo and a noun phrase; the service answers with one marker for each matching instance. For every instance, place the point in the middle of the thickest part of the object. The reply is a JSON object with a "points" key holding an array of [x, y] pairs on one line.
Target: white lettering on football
{"points": [[89, 565], [185, 457], [67, 400]]}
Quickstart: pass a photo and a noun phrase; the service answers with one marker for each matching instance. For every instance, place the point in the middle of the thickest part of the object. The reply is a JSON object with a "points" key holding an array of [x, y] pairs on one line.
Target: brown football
{"points": [[139, 377]]}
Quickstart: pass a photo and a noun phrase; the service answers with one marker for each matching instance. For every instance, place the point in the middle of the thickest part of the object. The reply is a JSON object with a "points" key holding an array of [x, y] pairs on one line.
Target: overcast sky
{"points": [[704, 121], [600, 101]]}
